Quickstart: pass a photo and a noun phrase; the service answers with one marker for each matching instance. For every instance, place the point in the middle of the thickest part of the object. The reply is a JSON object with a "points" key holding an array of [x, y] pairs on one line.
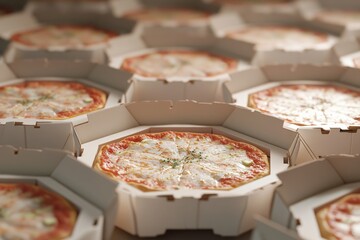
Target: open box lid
{"points": [[37, 137], [92, 72], [251, 123], [63, 168], [223, 23]]}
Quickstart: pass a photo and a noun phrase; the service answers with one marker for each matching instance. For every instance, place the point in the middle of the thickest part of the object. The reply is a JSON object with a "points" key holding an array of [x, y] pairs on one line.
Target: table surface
{"points": [[180, 234]]}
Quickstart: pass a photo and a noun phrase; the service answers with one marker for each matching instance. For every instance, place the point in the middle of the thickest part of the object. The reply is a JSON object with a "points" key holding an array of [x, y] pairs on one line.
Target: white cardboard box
{"points": [[93, 194], [315, 139], [298, 196], [319, 54], [174, 88], [113, 82], [18, 22], [227, 213], [121, 7], [37, 137]]}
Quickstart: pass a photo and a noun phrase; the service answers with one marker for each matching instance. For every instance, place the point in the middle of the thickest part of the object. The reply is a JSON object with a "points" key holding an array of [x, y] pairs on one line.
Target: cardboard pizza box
{"points": [[348, 49], [19, 135], [173, 88], [226, 213], [315, 139], [113, 82], [297, 197], [92, 194], [310, 9], [15, 23], [321, 54], [200, 27]]}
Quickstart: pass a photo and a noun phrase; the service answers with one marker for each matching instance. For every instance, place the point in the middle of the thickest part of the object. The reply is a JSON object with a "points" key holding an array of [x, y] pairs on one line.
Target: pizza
{"points": [[52, 100], [182, 160], [28, 211], [179, 63], [309, 104], [279, 37], [159, 15], [340, 219], [64, 36], [343, 17]]}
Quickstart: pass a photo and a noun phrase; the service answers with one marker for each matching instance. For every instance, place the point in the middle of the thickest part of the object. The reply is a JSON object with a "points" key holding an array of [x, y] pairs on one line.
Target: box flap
{"points": [[180, 112], [260, 126], [245, 79], [69, 171], [266, 229], [95, 55], [111, 77], [306, 180], [303, 72], [158, 36], [44, 68], [351, 76], [123, 6], [16, 22], [347, 167], [346, 46], [32, 162], [124, 44], [201, 91], [111, 120], [37, 137]]}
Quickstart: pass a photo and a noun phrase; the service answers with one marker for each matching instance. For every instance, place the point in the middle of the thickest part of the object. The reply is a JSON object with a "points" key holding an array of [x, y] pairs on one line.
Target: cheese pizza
{"points": [[63, 36], [182, 160], [53, 100], [279, 37], [30, 212], [308, 104], [179, 63], [340, 219], [159, 15], [343, 17]]}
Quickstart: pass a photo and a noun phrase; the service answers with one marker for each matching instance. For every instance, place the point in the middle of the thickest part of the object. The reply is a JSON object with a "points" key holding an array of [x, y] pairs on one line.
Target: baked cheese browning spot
{"points": [[279, 37], [306, 104], [28, 212], [179, 63], [343, 17], [158, 15], [182, 160], [49, 100], [68, 36], [340, 219]]}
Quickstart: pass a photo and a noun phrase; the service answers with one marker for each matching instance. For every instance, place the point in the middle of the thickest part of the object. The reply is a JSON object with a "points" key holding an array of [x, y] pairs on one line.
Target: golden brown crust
{"points": [[257, 155]]}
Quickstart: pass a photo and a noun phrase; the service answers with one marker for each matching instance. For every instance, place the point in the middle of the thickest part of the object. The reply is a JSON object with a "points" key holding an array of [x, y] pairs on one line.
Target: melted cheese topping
{"points": [[63, 36], [341, 219], [310, 104], [170, 160], [339, 17], [48, 100], [278, 37], [25, 214], [179, 63], [157, 15]]}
